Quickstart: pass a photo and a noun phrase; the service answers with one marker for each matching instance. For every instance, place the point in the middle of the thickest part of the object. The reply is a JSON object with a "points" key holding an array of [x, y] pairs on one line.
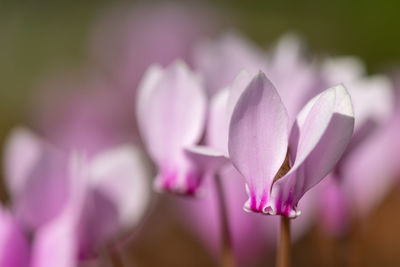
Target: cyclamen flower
{"points": [[352, 188], [55, 197], [279, 165], [171, 112]]}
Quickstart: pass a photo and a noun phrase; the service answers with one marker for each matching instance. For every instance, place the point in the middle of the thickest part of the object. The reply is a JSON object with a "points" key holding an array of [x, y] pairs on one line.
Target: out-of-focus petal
{"points": [[293, 74], [334, 206], [258, 139], [172, 118], [22, 152], [174, 113], [40, 187], [318, 139], [208, 159], [14, 249], [147, 85], [222, 60], [57, 243], [218, 122], [342, 70], [369, 170], [122, 175], [373, 99]]}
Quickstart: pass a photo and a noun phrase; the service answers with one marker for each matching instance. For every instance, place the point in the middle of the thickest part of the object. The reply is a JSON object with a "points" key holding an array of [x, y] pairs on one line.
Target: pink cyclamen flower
{"points": [[83, 202], [281, 165], [352, 187], [171, 112]]}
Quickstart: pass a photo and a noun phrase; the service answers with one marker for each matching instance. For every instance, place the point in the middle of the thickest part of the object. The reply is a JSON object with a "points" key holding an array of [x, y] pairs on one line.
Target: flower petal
{"points": [[150, 79], [22, 151], [173, 113], [14, 250], [218, 122], [56, 243], [122, 175], [321, 133], [208, 159], [258, 138], [37, 177]]}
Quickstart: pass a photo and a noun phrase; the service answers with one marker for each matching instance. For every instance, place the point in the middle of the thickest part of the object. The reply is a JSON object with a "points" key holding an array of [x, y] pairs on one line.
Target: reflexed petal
{"points": [[14, 250], [342, 70], [55, 244], [173, 113], [222, 60], [122, 175], [373, 99], [207, 158], [22, 151], [258, 137], [150, 79], [218, 122], [318, 139], [37, 177]]}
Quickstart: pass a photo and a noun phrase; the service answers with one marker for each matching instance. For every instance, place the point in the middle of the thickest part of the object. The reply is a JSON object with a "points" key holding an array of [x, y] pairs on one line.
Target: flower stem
{"points": [[283, 256], [227, 259]]}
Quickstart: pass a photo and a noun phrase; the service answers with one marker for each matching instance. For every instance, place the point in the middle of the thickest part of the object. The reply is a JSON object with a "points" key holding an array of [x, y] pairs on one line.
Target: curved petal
{"points": [[321, 133], [218, 122], [55, 244], [221, 60], [207, 158], [258, 138], [373, 99], [22, 151], [14, 250], [122, 175], [173, 113], [237, 88], [36, 175], [150, 79]]}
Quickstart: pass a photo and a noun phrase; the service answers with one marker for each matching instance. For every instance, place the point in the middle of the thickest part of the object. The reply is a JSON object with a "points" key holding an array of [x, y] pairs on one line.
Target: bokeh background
{"points": [[39, 39]]}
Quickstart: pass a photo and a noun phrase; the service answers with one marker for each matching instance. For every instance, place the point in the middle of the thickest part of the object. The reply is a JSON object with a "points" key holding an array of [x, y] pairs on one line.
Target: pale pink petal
{"points": [[14, 249], [342, 70], [321, 133], [22, 152], [370, 169], [373, 99], [294, 75], [174, 113], [258, 139], [208, 159], [56, 243], [122, 175], [221, 60], [218, 122], [148, 83], [36, 177]]}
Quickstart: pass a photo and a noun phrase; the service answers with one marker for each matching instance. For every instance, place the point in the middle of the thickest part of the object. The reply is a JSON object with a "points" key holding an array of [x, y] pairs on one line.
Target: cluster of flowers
{"points": [[269, 124]]}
